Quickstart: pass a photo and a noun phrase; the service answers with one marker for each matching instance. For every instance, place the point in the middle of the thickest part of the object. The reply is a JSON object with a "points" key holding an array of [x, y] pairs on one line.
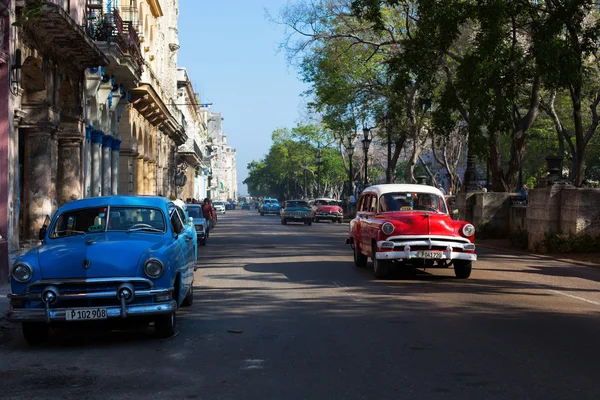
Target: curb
{"points": [[541, 256]]}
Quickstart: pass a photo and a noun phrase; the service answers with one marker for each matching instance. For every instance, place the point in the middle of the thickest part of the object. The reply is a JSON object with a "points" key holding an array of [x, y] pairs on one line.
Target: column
{"points": [[69, 169], [106, 164], [146, 178], [39, 190], [96, 189], [116, 147], [87, 162], [152, 178], [140, 175]]}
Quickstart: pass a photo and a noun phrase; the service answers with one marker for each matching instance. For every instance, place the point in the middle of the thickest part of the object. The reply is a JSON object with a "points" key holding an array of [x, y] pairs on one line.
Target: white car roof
{"points": [[403, 187], [325, 198]]}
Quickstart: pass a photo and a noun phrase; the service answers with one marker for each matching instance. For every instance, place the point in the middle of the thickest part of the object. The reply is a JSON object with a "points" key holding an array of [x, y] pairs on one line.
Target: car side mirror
{"points": [[42, 233], [191, 220], [455, 213]]}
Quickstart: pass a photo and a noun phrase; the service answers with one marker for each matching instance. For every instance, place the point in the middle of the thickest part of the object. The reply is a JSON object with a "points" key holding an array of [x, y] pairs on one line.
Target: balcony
{"points": [[191, 153], [55, 31], [111, 32]]}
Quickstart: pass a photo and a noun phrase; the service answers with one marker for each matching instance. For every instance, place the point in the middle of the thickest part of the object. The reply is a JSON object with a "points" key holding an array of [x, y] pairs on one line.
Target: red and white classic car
{"points": [[409, 226], [328, 210]]}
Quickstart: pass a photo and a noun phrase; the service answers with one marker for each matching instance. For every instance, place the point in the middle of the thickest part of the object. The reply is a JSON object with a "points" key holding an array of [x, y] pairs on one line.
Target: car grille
{"points": [[297, 214], [70, 286]]}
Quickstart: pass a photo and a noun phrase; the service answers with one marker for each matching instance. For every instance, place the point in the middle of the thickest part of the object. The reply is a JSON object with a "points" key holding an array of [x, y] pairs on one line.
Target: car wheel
{"points": [[340, 221], [202, 241], [317, 220], [262, 214], [36, 333], [462, 268], [309, 222], [189, 299], [283, 221], [164, 325], [381, 268], [360, 260]]}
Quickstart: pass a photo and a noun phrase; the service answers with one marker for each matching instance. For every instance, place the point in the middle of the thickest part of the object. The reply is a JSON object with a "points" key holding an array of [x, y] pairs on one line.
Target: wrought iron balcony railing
{"points": [[111, 28]]}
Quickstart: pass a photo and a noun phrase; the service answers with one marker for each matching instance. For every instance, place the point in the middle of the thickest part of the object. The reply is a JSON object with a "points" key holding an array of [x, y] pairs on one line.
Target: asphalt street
{"points": [[280, 312]]}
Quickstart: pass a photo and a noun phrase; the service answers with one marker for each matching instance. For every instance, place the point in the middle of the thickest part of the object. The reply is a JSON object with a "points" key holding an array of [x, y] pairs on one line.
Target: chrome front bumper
{"points": [[403, 250], [59, 314], [407, 255]]}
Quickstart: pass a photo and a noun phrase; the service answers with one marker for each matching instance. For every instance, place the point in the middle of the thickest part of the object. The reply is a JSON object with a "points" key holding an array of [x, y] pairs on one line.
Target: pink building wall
{"points": [[4, 137]]}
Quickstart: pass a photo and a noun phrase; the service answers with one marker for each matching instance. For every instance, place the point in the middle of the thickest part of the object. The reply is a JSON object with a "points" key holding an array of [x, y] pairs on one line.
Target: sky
{"points": [[229, 49]]}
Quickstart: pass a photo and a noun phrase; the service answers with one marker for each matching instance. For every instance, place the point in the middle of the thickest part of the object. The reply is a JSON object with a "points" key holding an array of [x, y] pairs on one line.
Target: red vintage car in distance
{"points": [[409, 226], [328, 210]]}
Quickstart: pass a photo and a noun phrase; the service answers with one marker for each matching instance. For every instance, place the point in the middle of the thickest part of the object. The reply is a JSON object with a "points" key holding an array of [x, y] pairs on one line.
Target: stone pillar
{"points": [[116, 147], [140, 175], [68, 184], [146, 178], [96, 189], [39, 192], [106, 165], [87, 162], [152, 178]]}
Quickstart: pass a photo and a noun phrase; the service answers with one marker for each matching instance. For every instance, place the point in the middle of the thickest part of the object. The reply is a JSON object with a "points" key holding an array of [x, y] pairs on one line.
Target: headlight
{"points": [[154, 268], [468, 230], [387, 228], [22, 272]]}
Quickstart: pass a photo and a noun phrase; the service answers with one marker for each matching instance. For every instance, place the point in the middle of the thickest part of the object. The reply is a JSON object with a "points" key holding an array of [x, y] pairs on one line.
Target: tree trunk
{"points": [[579, 160], [498, 184], [416, 152]]}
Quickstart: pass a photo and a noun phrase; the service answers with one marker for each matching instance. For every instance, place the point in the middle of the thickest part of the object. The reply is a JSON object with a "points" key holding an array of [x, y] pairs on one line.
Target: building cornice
{"points": [[155, 8]]}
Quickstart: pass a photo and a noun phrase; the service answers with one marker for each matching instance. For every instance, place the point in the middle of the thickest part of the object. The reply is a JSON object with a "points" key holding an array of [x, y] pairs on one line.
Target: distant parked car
{"points": [[219, 206], [409, 226], [245, 206], [328, 210], [269, 206], [296, 211], [106, 258], [200, 223]]}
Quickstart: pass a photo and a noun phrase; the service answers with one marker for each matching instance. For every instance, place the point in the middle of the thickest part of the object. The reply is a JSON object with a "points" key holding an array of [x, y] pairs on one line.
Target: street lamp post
{"points": [[319, 172], [350, 151], [366, 142]]}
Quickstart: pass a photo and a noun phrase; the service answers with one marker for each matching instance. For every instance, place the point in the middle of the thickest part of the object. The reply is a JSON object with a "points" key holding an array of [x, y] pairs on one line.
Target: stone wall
{"points": [[489, 211], [564, 210], [518, 218]]}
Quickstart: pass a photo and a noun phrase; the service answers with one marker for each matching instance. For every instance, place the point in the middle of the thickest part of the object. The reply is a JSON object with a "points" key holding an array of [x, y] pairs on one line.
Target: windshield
{"points": [[95, 219], [412, 202], [296, 203], [219, 203], [326, 203], [195, 212]]}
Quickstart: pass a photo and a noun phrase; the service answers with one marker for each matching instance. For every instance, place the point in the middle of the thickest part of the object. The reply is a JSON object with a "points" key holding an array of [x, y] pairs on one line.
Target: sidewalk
{"points": [[4, 290], [582, 259]]}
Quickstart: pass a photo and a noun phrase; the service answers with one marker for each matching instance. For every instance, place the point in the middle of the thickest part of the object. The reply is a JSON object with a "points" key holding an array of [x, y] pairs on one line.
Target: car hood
{"points": [[271, 205], [420, 223], [290, 209], [105, 255]]}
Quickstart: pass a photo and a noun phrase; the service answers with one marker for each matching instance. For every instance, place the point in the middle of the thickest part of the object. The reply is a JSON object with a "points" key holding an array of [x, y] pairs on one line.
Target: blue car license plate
{"points": [[85, 314]]}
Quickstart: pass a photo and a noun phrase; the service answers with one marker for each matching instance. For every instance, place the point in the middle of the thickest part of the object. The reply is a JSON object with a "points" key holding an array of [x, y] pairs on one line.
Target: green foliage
{"points": [[31, 10], [580, 243]]}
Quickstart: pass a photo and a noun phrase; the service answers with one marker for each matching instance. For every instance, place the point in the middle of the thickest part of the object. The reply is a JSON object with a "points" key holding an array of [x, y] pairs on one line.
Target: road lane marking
{"points": [[253, 364], [344, 289], [575, 297]]}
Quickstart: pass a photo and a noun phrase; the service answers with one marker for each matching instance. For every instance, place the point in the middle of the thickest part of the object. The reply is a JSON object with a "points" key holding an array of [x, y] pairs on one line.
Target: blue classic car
{"points": [[269, 206], [106, 258]]}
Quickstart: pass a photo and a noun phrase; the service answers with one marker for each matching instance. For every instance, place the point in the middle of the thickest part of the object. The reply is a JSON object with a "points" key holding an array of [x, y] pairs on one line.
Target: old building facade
{"points": [[223, 161], [194, 157], [87, 107]]}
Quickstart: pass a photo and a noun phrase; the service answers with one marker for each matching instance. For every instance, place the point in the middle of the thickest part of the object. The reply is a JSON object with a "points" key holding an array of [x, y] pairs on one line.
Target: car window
{"points": [[124, 218], [81, 221], [181, 215], [295, 203], [373, 206], [195, 212], [410, 201], [176, 223]]}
